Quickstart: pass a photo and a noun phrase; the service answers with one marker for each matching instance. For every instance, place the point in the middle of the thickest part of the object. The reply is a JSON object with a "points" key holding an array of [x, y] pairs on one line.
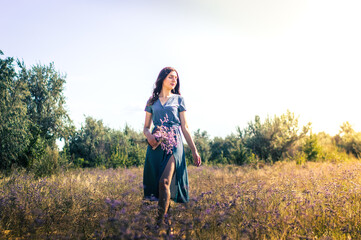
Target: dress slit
{"points": [[173, 184]]}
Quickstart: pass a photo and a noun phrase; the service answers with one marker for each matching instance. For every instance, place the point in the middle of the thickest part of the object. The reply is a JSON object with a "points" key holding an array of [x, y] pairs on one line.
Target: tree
{"points": [[238, 154], [272, 138], [202, 141], [349, 140], [32, 111], [96, 145], [48, 117], [312, 148], [14, 124], [91, 143], [46, 103], [219, 151]]}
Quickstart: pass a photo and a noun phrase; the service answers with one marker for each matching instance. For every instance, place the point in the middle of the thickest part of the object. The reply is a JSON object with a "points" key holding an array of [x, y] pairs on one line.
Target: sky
{"points": [[236, 59]]}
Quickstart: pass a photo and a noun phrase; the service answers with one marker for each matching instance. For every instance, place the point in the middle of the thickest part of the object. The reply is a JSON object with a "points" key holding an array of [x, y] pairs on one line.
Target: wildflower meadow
{"points": [[271, 179], [281, 201]]}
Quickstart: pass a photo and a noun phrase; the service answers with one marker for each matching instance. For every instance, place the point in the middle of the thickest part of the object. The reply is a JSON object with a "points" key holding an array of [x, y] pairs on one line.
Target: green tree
{"points": [[96, 145], [220, 151], [91, 143], [136, 146], [238, 154], [271, 139], [14, 123], [202, 142], [46, 103], [32, 111], [312, 148], [349, 140], [45, 109], [229, 150]]}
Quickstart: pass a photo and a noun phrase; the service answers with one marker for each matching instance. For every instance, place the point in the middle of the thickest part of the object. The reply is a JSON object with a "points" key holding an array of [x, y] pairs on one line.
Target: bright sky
{"points": [[235, 58]]}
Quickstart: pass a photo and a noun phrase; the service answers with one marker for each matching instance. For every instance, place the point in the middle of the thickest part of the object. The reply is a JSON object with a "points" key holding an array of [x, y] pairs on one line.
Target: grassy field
{"points": [[283, 201]]}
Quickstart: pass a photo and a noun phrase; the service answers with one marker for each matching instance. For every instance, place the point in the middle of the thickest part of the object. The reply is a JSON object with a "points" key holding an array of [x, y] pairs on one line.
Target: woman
{"points": [[165, 174]]}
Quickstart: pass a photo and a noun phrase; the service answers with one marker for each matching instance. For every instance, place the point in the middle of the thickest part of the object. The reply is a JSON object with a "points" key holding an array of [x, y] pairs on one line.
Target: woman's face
{"points": [[170, 81]]}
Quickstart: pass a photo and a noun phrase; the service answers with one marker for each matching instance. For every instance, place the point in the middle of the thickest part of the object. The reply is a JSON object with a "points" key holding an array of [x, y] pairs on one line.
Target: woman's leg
{"points": [[164, 188]]}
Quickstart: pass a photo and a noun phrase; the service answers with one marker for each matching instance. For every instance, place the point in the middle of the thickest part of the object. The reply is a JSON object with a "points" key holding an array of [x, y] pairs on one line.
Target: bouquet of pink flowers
{"points": [[166, 136]]}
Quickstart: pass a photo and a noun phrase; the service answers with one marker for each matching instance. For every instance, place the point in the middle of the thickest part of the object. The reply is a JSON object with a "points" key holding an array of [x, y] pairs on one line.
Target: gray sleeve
{"points": [[182, 106], [148, 109]]}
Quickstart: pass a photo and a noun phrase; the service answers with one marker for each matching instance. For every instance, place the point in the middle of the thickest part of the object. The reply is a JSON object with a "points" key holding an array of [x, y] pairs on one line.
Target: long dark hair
{"points": [[159, 84]]}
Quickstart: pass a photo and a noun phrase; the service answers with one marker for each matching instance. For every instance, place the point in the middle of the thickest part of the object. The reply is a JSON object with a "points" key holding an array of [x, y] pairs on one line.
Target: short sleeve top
{"points": [[174, 105]]}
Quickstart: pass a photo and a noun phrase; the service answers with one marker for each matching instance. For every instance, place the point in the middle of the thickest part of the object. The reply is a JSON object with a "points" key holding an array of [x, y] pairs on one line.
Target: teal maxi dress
{"points": [[156, 160]]}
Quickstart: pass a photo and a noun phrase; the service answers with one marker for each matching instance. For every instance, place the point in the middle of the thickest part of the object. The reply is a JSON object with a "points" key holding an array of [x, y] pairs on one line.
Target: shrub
{"points": [[47, 164], [272, 139], [349, 140], [312, 148]]}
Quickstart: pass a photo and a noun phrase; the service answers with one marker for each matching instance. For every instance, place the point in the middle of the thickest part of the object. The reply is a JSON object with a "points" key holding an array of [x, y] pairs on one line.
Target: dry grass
{"points": [[283, 201]]}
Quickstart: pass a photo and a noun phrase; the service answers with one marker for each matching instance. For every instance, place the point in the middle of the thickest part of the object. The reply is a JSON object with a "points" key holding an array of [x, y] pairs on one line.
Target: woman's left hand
{"points": [[197, 159]]}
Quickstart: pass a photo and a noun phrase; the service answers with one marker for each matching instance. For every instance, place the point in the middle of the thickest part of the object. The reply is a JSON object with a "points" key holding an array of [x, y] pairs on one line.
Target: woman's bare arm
{"points": [[146, 130], [189, 140]]}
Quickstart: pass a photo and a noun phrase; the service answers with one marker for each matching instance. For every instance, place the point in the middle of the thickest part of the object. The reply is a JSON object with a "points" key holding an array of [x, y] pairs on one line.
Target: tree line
{"points": [[33, 116]]}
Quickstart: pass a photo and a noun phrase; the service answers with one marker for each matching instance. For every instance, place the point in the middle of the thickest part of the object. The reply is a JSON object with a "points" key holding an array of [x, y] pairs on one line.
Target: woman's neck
{"points": [[165, 93]]}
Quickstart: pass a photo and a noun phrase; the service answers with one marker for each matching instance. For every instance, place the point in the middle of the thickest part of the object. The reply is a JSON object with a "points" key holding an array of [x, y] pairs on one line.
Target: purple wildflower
{"points": [[167, 136]]}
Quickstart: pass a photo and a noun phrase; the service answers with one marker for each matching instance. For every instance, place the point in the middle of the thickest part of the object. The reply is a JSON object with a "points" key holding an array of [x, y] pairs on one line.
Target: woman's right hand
{"points": [[152, 142], [197, 159]]}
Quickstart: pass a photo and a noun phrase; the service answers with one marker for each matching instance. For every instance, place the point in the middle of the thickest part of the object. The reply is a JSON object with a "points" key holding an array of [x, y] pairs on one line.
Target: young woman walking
{"points": [[165, 173]]}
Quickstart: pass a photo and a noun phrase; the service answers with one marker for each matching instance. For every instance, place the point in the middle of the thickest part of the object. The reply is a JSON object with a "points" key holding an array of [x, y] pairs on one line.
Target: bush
{"points": [[349, 140], [272, 139], [311, 148], [97, 145], [48, 163]]}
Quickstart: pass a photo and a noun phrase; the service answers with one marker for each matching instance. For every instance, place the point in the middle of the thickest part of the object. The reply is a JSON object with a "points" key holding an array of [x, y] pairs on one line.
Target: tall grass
{"points": [[284, 201]]}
